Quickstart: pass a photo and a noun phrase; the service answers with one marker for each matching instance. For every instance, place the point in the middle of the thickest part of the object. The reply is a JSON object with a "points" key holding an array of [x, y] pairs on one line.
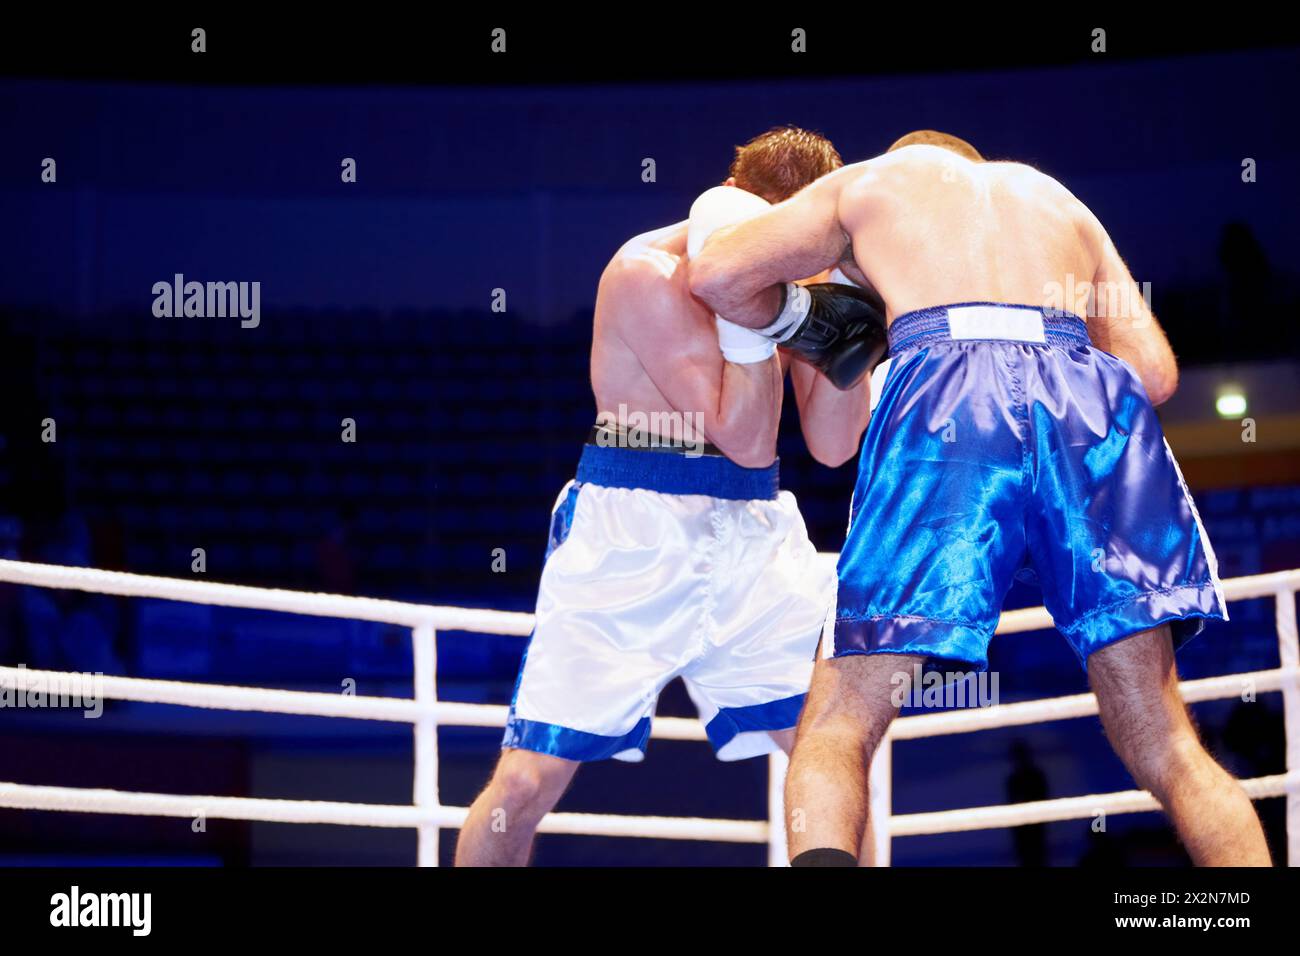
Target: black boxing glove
{"points": [[838, 329]]}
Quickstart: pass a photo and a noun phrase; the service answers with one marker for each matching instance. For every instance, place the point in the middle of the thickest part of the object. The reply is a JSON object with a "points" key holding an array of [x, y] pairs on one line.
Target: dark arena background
{"points": [[414, 394]]}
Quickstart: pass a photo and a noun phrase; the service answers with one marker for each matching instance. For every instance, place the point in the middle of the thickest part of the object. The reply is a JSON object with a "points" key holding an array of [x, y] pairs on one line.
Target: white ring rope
{"points": [[80, 800], [404, 710], [121, 583], [1078, 705], [444, 618], [1065, 808], [305, 703], [1280, 585]]}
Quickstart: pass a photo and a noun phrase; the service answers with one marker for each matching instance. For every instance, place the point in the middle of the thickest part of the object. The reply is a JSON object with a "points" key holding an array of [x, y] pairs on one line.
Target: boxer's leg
{"points": [[1147, 723], [850, 705], [502, 822], [867, 853], [1128, 574]]}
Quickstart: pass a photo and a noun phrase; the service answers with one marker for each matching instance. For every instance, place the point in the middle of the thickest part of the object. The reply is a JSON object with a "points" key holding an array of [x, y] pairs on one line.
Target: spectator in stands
{"points": [[335, 562]]}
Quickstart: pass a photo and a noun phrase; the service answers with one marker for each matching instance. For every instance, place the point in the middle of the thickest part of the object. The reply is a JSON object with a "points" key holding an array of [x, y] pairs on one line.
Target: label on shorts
{"points": [[996, 322]]}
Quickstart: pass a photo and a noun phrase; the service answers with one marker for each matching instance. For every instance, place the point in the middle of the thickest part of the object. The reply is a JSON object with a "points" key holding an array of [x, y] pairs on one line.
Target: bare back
{"points": [[655, 361], [930, 228], [647, 273], [927, 228]]}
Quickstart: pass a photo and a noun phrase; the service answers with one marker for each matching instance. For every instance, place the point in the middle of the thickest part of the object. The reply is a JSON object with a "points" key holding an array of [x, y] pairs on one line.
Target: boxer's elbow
{"points": [[708, 282], [752, 458], [744, 444], [1161, 376], [831, 452], [749, 450], [1162, 383]]}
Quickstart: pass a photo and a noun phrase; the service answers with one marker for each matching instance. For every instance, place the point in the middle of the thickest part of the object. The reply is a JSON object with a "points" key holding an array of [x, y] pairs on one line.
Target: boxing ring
{"points": [[426, 713]]}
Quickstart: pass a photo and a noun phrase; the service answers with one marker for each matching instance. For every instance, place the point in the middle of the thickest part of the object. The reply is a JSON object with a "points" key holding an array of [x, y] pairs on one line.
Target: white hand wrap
{"points": [[797, 302], [741, 345], [718, 207]]}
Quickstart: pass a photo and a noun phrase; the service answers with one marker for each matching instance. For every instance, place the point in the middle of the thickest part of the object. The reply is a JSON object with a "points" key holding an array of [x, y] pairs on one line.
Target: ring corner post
{"points": [[880, 796], [425, 653], [1288, 648], [777, 764]]}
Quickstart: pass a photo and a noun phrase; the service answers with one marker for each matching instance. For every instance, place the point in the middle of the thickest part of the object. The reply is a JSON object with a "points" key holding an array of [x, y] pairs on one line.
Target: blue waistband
{"points": [[913, 329], [673, 473]]}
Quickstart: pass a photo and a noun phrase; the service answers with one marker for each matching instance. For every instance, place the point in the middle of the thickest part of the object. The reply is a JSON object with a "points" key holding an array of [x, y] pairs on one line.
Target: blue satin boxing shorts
{"points": [[1005, 444]]}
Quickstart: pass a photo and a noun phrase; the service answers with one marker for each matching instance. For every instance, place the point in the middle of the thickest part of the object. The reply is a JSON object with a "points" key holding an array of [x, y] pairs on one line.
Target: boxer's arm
{"points": [[832, 420], [739, 271], [1122, 323], [740, 405]]}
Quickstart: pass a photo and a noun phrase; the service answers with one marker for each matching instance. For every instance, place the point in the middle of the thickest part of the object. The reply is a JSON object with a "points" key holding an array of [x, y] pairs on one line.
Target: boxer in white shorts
{"points": [[673, 553]]}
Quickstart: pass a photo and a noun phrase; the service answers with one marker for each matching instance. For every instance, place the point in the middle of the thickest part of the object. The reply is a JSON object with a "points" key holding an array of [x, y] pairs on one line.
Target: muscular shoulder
{"points": [[1040, 189], [910, 163], [902, 176], [920, 167], [647, 263], [1030, 182], [647, 278]]}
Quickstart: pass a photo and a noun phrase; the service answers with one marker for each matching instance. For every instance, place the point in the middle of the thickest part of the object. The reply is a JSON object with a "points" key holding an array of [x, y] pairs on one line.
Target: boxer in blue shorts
{"points": [[1015, 432]]}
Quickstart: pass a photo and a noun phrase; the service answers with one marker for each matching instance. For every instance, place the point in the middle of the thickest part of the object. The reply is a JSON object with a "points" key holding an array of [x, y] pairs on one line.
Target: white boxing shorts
{"points": [[663, 565]]}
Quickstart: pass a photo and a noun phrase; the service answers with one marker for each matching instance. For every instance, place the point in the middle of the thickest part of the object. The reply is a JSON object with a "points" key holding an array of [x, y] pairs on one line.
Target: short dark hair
{"points": [[782, 161], [932, 137]]}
